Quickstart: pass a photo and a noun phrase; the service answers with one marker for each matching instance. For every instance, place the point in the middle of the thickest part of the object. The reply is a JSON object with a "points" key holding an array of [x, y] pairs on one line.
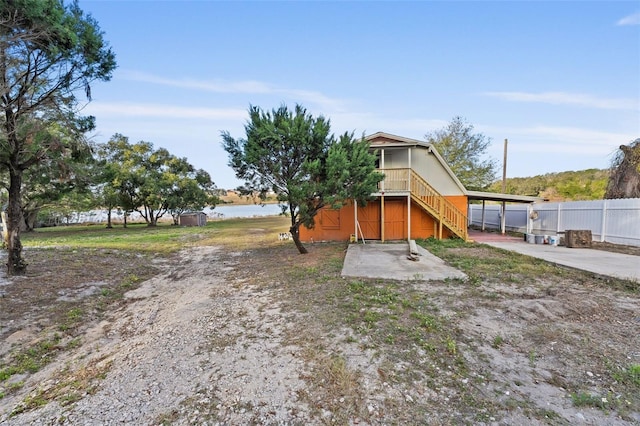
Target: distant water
{"points": [[221, 211], [225, 211]]}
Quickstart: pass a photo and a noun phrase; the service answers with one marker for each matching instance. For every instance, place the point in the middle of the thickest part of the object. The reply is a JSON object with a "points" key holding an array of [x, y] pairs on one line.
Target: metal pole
{"points": [[504, 168]]}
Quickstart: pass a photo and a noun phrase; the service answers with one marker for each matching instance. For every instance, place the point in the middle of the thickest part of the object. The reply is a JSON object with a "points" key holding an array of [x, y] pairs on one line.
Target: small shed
{"points": [[193, 219]]}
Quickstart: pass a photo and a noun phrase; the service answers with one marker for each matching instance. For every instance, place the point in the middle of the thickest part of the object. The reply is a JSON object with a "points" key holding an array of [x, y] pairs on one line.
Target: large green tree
{"points": [[192, 192], [464, 152], [151, 181], [49, 51], [61, 178], [295, 155]]}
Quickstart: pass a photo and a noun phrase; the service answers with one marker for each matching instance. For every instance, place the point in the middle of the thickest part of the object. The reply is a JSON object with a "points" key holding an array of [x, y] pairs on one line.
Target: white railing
{"points": [[613, 221]]}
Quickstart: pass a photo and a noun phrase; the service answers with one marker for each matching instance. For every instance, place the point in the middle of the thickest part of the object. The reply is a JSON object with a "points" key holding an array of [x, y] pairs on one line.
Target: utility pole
{"points": [[503, 219], [504, 168]]}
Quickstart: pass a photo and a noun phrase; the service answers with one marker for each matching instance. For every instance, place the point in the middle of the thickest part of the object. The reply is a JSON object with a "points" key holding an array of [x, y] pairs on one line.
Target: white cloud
{"points": [[633, 19], [242, 87], [216, 86], [115, 109], [563, 98], [565, 140]]}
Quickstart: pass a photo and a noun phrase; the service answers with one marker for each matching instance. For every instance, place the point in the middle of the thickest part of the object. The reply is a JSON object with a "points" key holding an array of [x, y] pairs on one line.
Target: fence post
{"points": [[603, 228]]}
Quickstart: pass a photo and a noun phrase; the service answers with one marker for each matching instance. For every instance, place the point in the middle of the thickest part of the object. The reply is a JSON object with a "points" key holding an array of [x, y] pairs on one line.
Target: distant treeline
{"points": [[563, 186]]}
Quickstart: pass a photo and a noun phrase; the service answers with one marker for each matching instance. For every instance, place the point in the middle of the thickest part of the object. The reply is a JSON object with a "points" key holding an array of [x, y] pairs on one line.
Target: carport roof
{"points": [[509, 198]]}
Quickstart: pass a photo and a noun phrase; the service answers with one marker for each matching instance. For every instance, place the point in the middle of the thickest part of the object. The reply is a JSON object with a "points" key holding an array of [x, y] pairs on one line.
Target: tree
{"points": [[192, 192], [109, 174], [463, 149], [624, 179], [48, 51], [151, 182], [294, 155], [61, 178]]}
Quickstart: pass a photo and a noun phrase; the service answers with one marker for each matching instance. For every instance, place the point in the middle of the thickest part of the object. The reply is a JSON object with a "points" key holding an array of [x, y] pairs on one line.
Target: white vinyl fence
{"points": [[613, 221]]}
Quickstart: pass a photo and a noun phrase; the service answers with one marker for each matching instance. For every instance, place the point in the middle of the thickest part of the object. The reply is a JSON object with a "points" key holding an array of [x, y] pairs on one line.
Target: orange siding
{"points": [[331, 225], [338, 225]]}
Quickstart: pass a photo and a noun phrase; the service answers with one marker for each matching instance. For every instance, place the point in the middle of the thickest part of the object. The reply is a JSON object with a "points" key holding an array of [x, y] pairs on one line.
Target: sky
{"points": [[559, 79]]}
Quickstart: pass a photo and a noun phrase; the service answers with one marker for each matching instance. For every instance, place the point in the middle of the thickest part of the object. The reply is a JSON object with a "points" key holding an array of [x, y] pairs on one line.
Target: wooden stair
{"points": [[428, 198], [443, 210]]}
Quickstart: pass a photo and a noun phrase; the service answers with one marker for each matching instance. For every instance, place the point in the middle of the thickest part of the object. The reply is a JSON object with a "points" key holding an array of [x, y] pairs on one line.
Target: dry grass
{"points": [[383, 351]]}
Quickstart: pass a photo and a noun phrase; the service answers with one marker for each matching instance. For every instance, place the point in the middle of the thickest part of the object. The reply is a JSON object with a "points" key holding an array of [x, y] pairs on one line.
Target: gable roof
{"points": [[387, 140]]}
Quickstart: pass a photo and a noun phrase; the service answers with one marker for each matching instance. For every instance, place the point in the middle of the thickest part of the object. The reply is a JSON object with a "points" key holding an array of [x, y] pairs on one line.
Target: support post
{"points": [[503, 219], [409, 217], [603, 228], [483, 206], [440, 215], [382, 218], [355, 219]]}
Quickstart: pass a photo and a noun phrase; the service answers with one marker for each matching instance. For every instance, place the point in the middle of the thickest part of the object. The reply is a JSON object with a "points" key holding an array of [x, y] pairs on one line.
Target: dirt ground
{"points": [[220, 336]]}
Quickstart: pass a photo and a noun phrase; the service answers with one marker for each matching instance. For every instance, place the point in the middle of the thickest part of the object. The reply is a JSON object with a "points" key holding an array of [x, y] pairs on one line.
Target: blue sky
{"points": [[559, 79]]}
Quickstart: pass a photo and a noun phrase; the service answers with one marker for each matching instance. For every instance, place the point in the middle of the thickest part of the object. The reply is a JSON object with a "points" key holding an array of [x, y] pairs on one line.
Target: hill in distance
{"points": [[589, 184]]}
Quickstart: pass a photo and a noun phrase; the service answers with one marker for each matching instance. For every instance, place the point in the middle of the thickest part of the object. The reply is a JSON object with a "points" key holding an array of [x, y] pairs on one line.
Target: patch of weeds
{"points": [[427, 321], [370, 318], [532, 358], [15, 386], [629, 376], [167, 419], [72, 319], [129, 281], [497, 341], [585, 399], [451, 346], [339, 385], [548, 415], [74, 314], [32, 359], [74, 343], [70, 398], [31, 402]]}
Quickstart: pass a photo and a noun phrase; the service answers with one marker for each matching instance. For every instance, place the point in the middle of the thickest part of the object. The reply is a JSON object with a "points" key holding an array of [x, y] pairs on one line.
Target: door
{"points": [[369, 220], [395, 219]]}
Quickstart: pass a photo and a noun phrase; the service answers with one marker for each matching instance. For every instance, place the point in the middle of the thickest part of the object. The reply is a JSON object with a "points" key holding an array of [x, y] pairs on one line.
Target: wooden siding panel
{"points": [[330, 218]]}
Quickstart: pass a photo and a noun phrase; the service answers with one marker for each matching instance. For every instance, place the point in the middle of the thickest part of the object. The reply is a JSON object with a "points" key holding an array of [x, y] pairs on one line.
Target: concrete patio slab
{"points": [[600, 262], [389, 261]]}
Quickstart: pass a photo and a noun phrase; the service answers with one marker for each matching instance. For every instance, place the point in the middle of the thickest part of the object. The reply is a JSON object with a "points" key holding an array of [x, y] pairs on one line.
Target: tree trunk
{"points": [[16, 265], [30, 217], [109, 226], [295, 235]]}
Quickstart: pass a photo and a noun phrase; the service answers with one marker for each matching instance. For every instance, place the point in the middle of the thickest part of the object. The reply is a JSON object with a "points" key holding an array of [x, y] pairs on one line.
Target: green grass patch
{"points": [[629, 376], [482, 262], [163, 238], [31, 359]]}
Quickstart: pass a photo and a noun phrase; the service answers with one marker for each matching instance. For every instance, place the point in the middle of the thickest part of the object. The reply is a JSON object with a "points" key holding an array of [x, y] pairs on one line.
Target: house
{"points": [[420, 197]]}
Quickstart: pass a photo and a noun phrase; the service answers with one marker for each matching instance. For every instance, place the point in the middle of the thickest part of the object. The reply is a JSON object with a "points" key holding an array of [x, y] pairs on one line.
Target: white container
{"points": [[553, 240], [531, 239]]}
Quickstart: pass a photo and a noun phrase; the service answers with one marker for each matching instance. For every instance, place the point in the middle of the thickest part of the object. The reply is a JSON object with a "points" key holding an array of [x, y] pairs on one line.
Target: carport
{"points": [[503, 199]]}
